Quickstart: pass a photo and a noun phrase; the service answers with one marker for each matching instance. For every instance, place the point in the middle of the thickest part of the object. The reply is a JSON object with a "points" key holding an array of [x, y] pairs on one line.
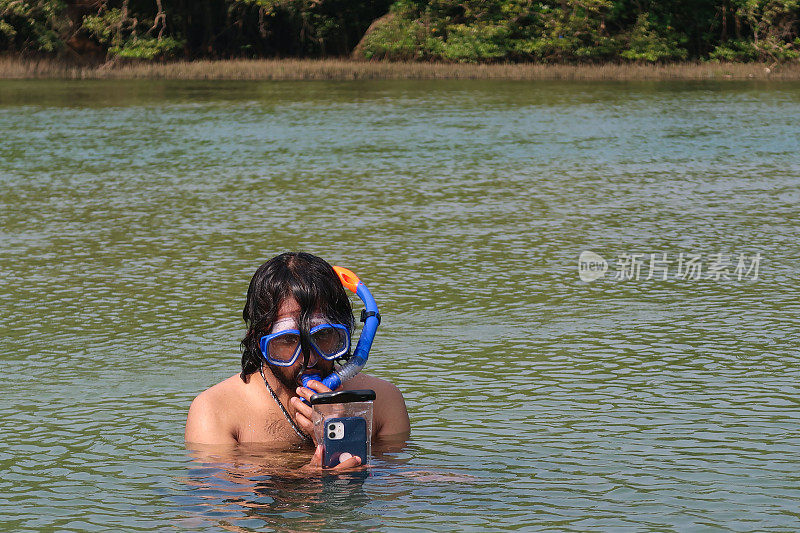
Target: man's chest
{"points": [[266, 427]]}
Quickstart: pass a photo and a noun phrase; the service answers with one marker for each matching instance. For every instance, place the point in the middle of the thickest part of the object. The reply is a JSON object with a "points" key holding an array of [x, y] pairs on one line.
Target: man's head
{"points": [[297, 285]]}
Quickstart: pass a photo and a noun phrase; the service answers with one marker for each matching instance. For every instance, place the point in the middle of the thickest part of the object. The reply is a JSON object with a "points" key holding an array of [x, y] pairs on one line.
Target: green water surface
{"points": [[132, 215]]}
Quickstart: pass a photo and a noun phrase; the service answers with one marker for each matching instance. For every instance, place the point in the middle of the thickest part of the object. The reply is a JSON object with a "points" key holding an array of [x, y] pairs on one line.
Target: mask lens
{"points": [[331, 341], [283, 347]]}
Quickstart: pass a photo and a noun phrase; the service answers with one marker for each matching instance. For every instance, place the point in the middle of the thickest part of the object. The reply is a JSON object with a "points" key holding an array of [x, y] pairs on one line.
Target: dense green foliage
{"points": [[149, 29], [588, 30], [32, 25], [465, 31]]}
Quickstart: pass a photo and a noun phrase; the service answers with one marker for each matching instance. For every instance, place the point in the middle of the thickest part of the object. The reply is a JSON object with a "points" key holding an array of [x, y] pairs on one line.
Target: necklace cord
{"points": [[295, 427]]}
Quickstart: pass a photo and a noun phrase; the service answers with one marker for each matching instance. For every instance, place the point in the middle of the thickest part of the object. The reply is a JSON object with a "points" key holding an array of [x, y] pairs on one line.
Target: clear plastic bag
{"points": [[343, 423]]}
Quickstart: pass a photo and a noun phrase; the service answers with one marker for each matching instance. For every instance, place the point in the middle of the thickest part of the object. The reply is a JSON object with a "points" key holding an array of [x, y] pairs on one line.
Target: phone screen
{"points": [[345, 434]]}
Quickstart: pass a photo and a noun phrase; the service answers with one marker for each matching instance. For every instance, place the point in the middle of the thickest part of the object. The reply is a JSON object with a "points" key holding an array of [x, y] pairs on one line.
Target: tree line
{"points": [[550, 31]]}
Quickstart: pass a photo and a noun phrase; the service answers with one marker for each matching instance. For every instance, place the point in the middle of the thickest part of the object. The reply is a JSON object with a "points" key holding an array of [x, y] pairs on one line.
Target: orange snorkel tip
{"points": [[347, 278]]}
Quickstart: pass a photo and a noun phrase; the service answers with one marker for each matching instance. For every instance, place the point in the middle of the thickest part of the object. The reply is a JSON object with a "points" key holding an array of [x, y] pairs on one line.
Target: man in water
{"points": [[263, 403]]}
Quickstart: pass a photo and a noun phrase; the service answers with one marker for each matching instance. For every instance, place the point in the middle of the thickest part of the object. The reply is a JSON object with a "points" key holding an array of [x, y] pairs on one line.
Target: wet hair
{"points": [[311, 281]]}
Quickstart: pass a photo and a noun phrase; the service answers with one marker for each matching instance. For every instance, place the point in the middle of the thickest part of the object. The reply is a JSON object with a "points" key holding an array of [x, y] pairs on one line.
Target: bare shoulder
{"points": [[380, 386], [209, 420], [389, 413]]}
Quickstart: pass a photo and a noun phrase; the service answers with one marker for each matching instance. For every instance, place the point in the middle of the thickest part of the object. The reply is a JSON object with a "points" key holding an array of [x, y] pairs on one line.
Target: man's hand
{"points": [[346, 462], [302, 410]]}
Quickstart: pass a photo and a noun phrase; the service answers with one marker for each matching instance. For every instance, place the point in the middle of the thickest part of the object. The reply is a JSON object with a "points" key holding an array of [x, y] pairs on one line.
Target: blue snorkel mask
{"points": [[284, 345], [329, 341]]}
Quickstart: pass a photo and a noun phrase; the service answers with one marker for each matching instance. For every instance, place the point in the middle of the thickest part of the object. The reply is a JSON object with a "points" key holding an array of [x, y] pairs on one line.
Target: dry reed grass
{"points": [[344, 69]]}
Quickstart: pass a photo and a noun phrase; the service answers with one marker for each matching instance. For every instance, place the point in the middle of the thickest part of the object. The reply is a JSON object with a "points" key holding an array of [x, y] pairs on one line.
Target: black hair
{"points": [[310, 280]]}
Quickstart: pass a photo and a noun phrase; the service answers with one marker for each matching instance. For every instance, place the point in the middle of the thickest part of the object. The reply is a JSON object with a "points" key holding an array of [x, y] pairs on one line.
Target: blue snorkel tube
{"points": [[370, 317]]}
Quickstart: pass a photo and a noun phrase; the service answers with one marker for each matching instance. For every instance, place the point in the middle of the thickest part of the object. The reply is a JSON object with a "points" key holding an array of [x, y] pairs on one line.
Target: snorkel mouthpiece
{"points": [[371, 319]]}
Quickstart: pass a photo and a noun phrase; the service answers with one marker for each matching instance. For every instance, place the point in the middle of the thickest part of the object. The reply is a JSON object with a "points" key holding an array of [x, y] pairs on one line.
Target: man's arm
{"points": [[390, 412], [205, 423]]}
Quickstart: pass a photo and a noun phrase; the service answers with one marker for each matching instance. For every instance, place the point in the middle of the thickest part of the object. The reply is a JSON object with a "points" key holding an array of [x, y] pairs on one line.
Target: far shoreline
{"points": [[349, 69]]}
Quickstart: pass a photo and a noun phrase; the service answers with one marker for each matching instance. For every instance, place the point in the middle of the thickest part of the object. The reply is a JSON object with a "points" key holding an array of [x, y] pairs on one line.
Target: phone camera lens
{"points": [[332, 434]]}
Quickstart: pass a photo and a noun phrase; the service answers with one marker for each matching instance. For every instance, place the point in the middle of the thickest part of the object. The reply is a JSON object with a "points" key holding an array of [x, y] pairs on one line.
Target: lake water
{"points": [[134, 213]]}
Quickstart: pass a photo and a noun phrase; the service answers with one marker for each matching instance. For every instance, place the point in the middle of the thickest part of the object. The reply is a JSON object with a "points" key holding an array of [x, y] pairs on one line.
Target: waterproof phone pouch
{"points": [[343, 424]]}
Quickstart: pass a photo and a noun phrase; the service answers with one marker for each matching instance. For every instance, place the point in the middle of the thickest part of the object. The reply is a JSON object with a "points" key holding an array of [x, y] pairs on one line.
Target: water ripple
{"points": [[132, 216]]}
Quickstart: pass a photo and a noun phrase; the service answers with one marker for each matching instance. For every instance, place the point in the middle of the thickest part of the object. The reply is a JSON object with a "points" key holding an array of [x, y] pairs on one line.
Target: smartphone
{"points": [[345, 434]]}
